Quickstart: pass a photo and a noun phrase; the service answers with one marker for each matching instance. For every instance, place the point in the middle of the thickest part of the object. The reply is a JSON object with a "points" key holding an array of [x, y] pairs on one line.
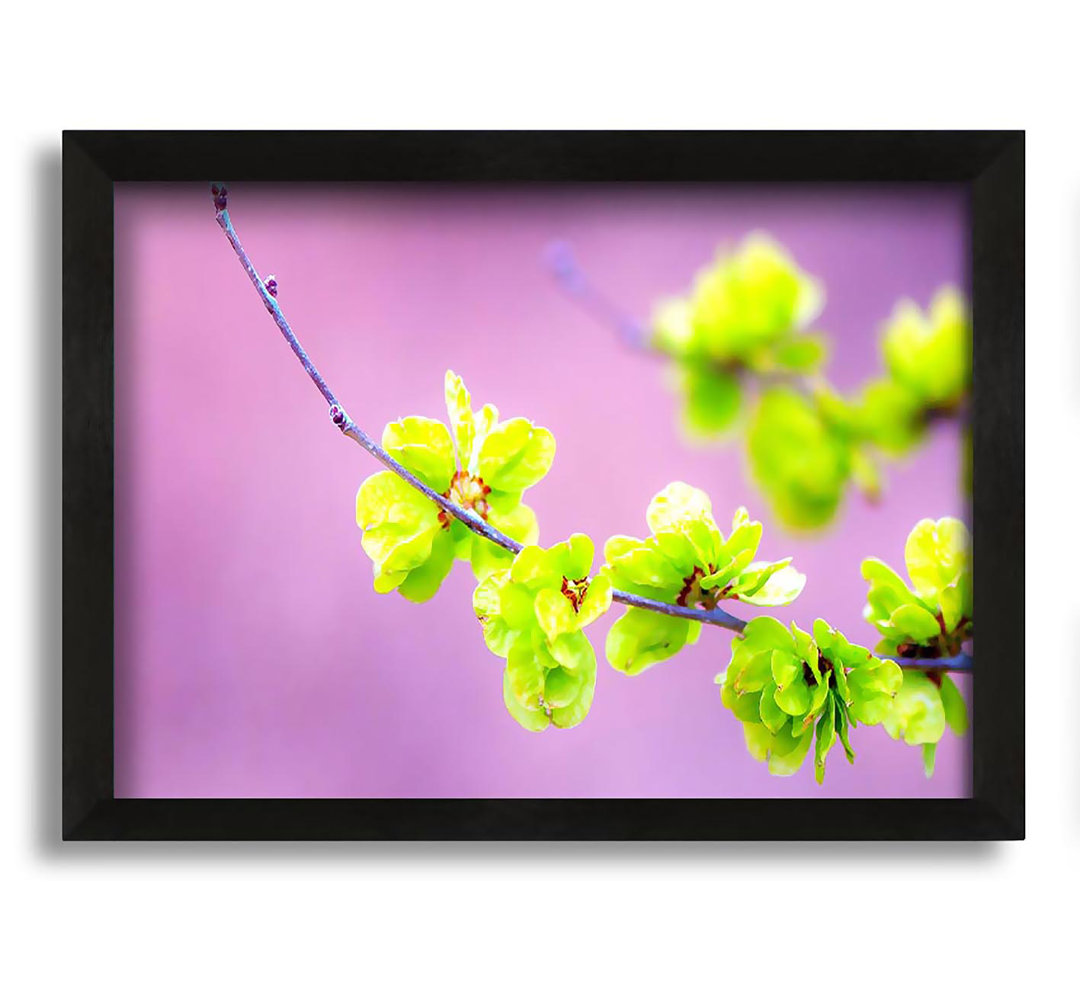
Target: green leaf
{"points": [[889, 415], [459, 409], [554, 613], [515, 455], [916, 714], [874, 687], [915, 622], [743, 542], [773, 717], [788, 752], [801, 461], [930, 354], [818, 694], [754, 673], [793, 697], [745, 707], [952, 701], [764, 632], [936, 554], [562, 687], [676, 506], [573, 714], [574, 652], [535, 567], [635, 563], [826, 732], [526, 674], [929, 754], [786, 668], [423, 582], [711, 400], [842, 731], [535, 720], [641, 638], [575, 556], [399, 526], [672, 329], [424, 447], [596, 602], [802, 354], [486, 558], [769, 584]]}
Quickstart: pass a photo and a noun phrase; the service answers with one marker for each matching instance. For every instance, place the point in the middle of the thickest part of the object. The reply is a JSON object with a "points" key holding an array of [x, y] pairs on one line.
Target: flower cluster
{"points": [[927, 359], [806, 446], [533, 614], [933, 616], [929, 619], [746, 314], [787, 687], [480, 463], [687, 561], [746, 321]]}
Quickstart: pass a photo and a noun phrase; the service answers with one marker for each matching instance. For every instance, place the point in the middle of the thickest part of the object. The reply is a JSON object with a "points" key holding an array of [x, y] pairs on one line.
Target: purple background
{"points": [[253, 657]]}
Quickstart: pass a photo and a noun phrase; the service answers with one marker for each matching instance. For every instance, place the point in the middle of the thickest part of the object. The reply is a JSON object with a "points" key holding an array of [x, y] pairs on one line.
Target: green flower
{"points": [[687, 561], [481, 463], [532, 614], [933, 616], [801, 454], [746, 313], [930, 618], [788, 687], [929, 354]]}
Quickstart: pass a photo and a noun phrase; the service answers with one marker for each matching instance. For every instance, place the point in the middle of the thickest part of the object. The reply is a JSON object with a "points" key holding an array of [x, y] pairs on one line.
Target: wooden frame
{"points": [[992, 163]]}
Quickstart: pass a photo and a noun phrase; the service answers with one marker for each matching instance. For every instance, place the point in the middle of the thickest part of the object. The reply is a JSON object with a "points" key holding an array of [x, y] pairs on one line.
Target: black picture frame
{"points": [[990, 162]]}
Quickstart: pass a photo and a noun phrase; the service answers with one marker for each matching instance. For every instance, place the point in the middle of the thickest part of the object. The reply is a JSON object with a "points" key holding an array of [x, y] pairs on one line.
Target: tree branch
{"points": [[345, 424], [962, 662], [574, 281]]}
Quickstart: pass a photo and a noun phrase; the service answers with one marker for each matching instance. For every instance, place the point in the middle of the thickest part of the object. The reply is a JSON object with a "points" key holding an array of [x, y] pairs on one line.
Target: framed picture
{"points": [[530, 485]]}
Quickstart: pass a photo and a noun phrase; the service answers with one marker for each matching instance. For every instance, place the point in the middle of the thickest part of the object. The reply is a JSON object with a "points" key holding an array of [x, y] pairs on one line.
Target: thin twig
{"points": [[961, 662], [345, 424], [471, 520], [575, 282]]}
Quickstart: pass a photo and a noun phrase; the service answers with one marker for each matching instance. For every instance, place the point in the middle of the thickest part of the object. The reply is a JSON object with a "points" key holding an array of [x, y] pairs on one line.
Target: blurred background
{"points": [[253, 657]]}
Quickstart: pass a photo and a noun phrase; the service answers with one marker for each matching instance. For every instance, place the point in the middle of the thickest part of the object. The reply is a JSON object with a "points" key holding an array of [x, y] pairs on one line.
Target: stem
{"points": [[345, 424], [960, 662], [575, 282], [341, 419]]}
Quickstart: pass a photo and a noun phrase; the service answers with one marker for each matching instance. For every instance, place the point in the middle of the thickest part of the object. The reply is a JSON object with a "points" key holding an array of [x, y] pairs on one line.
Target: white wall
{"points": [[161, 921]]}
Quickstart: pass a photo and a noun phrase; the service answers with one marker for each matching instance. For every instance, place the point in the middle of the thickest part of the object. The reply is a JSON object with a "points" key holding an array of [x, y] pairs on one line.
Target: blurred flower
{"points": [[746, 313], [929, 354], [799, 457]]}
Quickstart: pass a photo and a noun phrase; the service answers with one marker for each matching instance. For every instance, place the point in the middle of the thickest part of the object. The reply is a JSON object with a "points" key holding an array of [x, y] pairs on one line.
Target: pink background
{"points": [[253, 657]]}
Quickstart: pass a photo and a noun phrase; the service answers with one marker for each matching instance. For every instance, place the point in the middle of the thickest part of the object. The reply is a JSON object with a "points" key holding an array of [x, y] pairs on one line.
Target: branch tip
{"points": [[220, 194], [560, 261]]}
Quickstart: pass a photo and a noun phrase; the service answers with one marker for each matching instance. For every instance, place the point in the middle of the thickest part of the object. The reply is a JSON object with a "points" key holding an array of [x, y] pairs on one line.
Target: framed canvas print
{"points": [[637, 485]]}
